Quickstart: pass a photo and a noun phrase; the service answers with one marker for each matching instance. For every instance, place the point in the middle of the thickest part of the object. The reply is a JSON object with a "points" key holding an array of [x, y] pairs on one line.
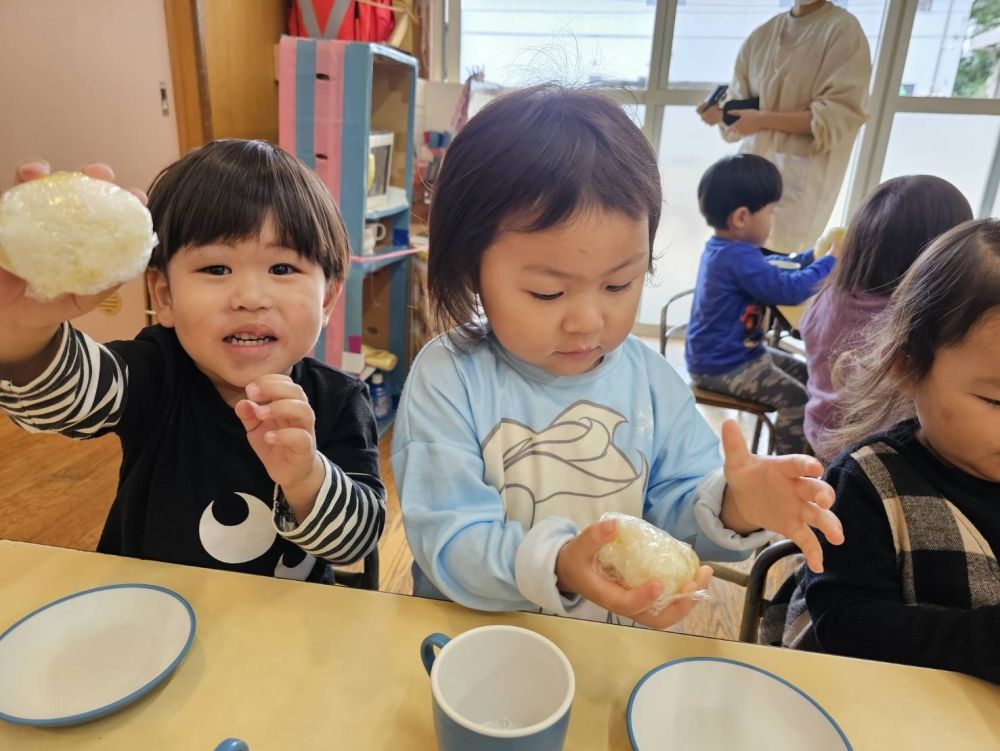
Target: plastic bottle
{"points": [[380, 396]]}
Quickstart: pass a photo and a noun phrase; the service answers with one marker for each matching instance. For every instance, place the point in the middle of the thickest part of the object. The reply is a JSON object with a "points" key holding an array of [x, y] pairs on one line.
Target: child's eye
{"points": [[283, 269], [543, 296], [216, 270], [619, 287], [991, 402]]}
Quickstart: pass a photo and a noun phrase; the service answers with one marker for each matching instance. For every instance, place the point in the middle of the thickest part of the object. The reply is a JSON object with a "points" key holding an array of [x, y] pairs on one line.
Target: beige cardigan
{"points": [[819, 62]]}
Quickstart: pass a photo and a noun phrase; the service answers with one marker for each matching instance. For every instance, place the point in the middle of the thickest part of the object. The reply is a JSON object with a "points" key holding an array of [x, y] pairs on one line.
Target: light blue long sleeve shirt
{"points": [[499, 464]]}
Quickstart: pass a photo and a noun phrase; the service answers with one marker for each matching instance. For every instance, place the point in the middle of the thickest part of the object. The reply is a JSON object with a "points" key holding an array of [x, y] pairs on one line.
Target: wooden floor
{"points": [[54, 491]]}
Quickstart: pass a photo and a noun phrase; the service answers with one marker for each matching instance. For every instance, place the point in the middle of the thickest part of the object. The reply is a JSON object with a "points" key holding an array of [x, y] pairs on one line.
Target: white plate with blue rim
{"points": [[91, 653], [710, 702]]}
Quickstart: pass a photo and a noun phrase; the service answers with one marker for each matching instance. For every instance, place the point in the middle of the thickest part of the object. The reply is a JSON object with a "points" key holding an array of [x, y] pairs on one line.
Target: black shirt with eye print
{"points": [[191, 489]]}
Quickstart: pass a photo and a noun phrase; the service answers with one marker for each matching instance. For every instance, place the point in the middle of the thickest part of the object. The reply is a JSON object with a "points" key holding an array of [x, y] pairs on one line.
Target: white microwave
{"points": [[379, 168]]}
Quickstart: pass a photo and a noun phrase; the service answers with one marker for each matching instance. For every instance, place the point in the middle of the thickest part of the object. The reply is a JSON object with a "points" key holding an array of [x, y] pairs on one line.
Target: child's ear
{"points": [[160, 297], [900, 373], [330, 296], [739, 218]]}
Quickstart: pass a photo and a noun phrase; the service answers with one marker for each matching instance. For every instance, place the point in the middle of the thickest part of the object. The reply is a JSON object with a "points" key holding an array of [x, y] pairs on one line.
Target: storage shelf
{"points": [[395, 204], [332, 96], [371, 264]]}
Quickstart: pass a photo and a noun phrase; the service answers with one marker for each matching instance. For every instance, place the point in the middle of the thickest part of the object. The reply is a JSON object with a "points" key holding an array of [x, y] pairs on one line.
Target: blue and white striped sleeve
{"points": [[347, 519], [346, 522], [81, 394]]}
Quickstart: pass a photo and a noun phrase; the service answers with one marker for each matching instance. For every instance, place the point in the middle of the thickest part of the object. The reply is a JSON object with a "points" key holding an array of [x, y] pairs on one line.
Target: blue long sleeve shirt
{"points": [[735, 283], [500, 463]]}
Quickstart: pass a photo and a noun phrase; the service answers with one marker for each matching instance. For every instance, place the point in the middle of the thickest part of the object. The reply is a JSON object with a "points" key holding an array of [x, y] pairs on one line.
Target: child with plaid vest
{"points": [[917, 580]]}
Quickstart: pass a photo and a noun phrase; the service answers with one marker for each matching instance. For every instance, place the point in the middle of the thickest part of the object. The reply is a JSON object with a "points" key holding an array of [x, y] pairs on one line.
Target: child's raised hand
{"points": [[280, 426], [780, 493], [576, 573]]}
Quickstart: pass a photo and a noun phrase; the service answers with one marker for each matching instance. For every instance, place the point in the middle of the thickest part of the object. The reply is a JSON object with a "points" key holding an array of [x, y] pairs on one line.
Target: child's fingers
{"points": [[826, 522], [679, 609], [296, 440], [627, 602], [816, 491], [140, 194], [799, 465], [734, 446], [271, 388], [246, 411], [31, 169], [592, 538], [99, 171], [806, 539], [293, 412]]}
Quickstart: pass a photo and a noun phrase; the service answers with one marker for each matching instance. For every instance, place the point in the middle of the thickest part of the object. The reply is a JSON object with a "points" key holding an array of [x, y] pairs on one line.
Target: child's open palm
{"points": [[280, 426], [780, 493]]}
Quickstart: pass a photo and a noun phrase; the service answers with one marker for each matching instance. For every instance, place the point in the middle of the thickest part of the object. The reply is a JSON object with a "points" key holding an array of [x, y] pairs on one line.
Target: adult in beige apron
{"points": [[811, 68]]}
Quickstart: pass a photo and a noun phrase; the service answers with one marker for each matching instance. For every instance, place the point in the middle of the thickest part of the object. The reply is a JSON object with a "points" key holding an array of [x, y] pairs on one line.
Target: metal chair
{"points": [[367, 578], [754, 601], [761, 412]]}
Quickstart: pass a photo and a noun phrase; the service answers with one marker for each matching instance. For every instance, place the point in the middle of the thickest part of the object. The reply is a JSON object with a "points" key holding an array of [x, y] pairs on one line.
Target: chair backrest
{"points": [[754, 601], [367, 578], [667, 331]]}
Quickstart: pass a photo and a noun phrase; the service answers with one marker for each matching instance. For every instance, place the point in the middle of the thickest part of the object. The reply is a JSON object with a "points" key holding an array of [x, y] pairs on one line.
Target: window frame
{"points": [[868, 160]]}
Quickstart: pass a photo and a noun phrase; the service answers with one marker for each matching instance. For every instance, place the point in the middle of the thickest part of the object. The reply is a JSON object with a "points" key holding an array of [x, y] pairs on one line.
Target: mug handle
{"points": [[232, 744], [427, 654]]}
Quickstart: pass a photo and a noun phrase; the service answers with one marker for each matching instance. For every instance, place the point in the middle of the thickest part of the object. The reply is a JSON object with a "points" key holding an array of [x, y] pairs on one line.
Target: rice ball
{"points": [[641, 552], [69, 233]]}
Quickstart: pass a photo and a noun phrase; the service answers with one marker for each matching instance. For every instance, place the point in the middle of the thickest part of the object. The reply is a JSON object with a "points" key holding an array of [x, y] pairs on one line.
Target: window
{"points": [[934, 105], [954, 50], [523, 42], [951, 158]]}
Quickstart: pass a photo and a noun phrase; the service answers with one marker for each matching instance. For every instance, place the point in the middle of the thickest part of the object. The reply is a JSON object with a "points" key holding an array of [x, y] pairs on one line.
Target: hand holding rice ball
{"points": [[72, 234], [641, 552]]}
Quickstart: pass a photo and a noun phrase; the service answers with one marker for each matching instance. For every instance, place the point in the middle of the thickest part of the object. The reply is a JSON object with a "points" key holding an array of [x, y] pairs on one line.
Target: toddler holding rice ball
{"points": [[239, 452], [538, 412]]}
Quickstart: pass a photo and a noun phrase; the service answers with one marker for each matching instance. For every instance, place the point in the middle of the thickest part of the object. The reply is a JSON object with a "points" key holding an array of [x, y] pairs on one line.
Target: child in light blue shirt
{"points": [[538, 411]]}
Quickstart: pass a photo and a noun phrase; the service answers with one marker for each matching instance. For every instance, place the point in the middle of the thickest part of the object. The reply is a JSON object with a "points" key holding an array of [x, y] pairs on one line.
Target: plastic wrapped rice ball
{"points": [[641, 552], [69, 233]]}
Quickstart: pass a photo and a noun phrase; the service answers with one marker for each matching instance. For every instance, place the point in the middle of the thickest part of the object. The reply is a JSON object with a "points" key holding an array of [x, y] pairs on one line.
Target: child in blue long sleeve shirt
{"points": [[724, 347], [538, 412]]}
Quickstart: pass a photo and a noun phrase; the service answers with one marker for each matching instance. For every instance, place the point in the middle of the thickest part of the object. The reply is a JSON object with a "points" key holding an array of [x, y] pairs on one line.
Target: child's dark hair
{"points": [[944, 295], [735, 181], [529, 161], [224, 190], [894, 224]]}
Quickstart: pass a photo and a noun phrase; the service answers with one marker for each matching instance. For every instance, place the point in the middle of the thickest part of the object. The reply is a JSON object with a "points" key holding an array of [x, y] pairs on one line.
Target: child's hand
{"points": [[280, 426], [576, 573], [780, 493], [15, 307]]}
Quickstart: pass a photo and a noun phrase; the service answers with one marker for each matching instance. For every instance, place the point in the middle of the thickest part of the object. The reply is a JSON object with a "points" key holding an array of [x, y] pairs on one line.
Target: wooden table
{"points": [[287, 665]]}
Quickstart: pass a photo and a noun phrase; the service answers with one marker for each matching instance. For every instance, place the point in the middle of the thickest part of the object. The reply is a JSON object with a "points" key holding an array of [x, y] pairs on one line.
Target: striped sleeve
{"points": [[81, 394], [346, 521]]}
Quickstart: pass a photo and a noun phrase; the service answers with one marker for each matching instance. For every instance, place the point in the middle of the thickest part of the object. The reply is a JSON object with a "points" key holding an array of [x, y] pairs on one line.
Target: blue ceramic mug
{"points": [[498, 688], [232, 744]]}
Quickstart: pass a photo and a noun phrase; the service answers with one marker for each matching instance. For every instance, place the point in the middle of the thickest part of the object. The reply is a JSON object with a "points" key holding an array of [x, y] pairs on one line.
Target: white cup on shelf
{"points": [[374, 234]]}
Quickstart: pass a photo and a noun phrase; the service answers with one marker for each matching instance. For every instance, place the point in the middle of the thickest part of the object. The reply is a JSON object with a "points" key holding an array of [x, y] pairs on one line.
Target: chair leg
{"points": [[770, 434], [755, 446]]}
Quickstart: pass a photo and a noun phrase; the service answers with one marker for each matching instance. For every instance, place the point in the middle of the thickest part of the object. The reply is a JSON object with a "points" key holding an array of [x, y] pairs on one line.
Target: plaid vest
{"points": [[942, 559]]}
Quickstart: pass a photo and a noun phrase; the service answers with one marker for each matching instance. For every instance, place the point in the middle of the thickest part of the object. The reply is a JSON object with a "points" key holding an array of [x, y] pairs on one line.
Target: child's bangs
{"points": [[226, 193]]}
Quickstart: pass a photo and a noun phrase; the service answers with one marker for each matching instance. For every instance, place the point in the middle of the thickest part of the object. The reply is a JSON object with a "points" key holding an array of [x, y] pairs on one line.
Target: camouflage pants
{"points": [[776, 379]]}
